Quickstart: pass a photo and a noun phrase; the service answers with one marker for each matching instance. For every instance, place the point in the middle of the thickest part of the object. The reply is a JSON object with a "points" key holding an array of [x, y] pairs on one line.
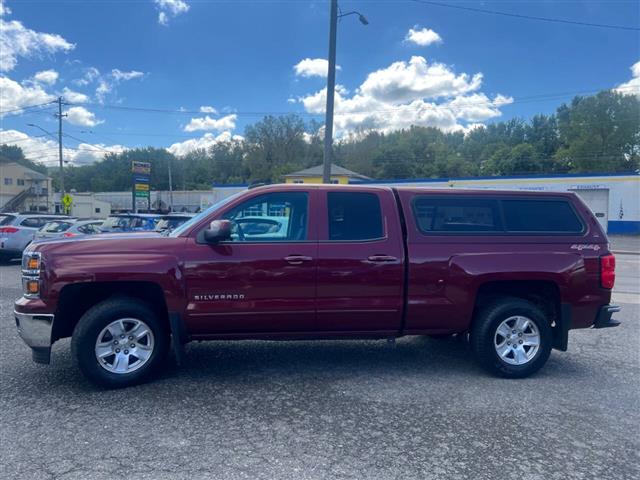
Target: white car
{"points": [[68, 228]]}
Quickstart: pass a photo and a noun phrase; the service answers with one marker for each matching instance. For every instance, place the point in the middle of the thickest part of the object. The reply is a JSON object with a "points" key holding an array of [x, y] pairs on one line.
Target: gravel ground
{"points": [[419, 409]]}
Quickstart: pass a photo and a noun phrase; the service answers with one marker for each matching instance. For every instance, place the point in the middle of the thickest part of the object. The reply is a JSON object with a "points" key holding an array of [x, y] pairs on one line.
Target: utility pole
{"points": [[170, 188], [60, 115], [327, 158]]}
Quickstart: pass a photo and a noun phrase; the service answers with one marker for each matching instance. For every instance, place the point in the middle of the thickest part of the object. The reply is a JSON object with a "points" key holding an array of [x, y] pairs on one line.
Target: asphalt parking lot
{"points": [[336, 409]]}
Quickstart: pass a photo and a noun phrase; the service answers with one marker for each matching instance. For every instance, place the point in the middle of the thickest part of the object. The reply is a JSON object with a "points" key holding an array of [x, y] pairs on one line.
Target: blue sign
{"points": [[141, 178]]}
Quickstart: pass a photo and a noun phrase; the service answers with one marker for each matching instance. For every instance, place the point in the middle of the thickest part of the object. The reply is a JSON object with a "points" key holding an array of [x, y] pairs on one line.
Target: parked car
{"points": [[514, 270], [170, 221], [130, 222], [68, 228], [18, 229]]}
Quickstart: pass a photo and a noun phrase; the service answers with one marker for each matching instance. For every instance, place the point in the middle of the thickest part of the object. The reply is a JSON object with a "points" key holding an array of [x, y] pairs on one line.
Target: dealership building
{"points": [[614, 198]]}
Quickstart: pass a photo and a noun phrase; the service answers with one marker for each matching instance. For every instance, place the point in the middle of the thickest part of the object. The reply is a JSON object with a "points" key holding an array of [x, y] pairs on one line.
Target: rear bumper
{"points": [[35, 329], [604, 320]]}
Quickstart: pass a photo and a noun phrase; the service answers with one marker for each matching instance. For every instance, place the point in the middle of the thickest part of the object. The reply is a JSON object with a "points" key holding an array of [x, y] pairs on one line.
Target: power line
{"points": [[527, 17], [27, 107]]}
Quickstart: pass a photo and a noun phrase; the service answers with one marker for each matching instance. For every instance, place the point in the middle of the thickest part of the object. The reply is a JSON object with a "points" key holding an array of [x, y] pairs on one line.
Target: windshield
{"points": [[56, 227], [116, 222], [204, 214]]}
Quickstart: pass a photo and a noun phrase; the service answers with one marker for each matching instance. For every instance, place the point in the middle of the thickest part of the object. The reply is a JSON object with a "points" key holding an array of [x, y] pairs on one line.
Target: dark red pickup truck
{"points": [[514, 270]]}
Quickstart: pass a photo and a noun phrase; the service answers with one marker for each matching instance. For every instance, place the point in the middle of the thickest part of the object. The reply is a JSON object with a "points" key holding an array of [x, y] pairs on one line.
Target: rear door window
{"points": [[550, 216], [457, 215], [354, 216]]}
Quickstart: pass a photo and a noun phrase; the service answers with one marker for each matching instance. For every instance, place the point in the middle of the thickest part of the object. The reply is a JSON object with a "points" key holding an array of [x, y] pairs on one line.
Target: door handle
{"points": [[297, 259], [381, 258]]}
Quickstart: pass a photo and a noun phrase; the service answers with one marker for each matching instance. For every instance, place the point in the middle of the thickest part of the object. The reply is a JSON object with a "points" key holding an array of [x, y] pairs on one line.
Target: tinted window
{"points": [[6, 219], [272, 217], [462, 215], [354, 216], [34, 222], [554, 216]]}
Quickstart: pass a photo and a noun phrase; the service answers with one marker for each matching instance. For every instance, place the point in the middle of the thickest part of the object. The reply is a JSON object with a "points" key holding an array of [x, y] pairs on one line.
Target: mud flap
{"points": [[179, 337]]}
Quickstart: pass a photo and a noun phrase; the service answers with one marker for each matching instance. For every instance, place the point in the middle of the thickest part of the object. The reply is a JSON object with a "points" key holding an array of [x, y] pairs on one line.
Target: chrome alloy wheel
{"points": [[124, 345], [517, 340]]}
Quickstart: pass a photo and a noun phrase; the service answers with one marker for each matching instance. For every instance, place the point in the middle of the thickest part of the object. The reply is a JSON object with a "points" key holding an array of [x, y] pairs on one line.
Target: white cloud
{"points": [[208, 109], [170, 9], [422, 37], [48, 77], [44, 149], [82, 117], [73, 96], [632, 87], [107, 83], [313, 67], [119, 75], [90, 75], [4, 10], [204, 142], [14, 95], [18, 41], [406, 94], [207, 123], [402, 81]]}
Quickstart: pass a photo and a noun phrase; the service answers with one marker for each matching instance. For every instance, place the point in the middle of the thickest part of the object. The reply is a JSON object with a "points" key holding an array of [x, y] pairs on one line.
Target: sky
{"points": [[184, 74]]}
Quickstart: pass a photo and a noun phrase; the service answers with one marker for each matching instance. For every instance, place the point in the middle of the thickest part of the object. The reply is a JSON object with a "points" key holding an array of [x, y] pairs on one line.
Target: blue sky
{"points": [[413, 64]]}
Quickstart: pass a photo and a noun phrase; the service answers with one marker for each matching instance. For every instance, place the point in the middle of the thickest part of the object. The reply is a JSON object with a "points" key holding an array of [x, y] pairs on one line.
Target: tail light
{"points": [[67, 235], [607, 271], [8, 229]]}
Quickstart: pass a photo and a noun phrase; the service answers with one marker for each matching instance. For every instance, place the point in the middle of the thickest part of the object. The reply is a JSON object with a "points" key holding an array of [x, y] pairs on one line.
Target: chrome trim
{"points": [[613, 308], [35, 329]]}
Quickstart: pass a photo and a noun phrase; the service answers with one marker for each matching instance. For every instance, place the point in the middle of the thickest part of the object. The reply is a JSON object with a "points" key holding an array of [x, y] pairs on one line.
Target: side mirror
{"points": [[218, 231]]}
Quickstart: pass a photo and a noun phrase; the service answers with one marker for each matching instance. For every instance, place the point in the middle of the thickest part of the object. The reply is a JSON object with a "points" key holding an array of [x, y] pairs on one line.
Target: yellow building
{"points": [[23, 189], [314, 175]]}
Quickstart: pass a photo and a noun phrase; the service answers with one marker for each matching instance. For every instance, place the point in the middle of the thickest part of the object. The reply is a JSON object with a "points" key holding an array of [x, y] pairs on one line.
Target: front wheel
{"points": [[512, 338], [119, 343]]}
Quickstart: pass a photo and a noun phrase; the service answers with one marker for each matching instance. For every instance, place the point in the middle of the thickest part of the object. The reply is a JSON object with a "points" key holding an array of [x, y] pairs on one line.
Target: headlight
{"points": [[31, 263]]}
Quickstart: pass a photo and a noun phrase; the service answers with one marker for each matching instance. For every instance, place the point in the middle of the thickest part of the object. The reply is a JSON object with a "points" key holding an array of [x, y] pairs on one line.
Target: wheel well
{"points": [[544, 294], [76, 299]]}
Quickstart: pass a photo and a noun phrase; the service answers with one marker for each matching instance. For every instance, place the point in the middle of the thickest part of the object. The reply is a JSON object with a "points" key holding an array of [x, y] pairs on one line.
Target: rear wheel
{"points": [[119, 342], [511, 337]]}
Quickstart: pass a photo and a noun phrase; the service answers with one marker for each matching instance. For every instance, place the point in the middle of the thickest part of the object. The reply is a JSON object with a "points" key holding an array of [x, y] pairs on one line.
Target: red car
{"points": [[515, 270]]}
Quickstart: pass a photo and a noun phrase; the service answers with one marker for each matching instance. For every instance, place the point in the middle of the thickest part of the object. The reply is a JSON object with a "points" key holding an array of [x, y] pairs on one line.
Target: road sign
{"points": [[141, 167], [67, 200]]}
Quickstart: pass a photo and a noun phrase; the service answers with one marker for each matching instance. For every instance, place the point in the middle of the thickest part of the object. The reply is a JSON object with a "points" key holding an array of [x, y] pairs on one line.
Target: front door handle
{"points": [[297, 259], [381, 258]]}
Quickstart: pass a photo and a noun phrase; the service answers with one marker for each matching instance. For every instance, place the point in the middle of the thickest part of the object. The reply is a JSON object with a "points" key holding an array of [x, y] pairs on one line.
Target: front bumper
{"points": [[604, 320], [35, 329]]}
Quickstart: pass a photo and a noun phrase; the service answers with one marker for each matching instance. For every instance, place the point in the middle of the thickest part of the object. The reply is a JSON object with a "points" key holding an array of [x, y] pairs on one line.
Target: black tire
{"points": [[484, 335], [86, 332]]}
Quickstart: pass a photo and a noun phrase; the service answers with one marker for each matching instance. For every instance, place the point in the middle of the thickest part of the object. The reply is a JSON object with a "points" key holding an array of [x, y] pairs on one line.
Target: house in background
{"points": [[314, 175], [24, 189]]}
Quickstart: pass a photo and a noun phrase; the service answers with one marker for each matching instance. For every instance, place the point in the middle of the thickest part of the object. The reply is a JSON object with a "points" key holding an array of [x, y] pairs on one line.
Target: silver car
{"points": [[17, 231], [67, 227]]}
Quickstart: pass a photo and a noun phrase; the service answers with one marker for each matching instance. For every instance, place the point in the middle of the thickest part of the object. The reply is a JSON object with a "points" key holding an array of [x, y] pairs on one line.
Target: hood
{"points": [[109, 243]]}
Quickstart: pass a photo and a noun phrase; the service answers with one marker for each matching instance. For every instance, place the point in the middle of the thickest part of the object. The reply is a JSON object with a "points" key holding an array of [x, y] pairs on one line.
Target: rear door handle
{"points": [[297, 259], [381, 258]]}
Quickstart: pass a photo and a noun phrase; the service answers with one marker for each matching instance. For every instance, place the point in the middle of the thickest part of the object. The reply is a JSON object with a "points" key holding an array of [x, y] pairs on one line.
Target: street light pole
{"points": [[327, 158]]}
